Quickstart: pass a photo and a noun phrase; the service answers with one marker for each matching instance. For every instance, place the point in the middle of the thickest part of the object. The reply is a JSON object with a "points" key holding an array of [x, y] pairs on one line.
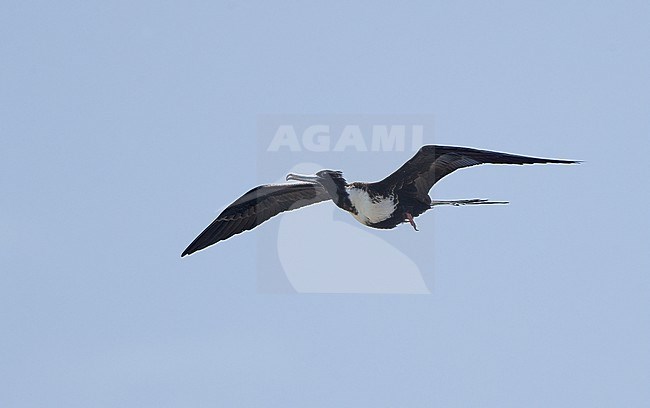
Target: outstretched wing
{"points": [[255, 207], [433, 162]]}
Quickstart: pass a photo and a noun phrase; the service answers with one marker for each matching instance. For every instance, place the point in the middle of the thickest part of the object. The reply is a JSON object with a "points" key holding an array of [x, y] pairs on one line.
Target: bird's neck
{"points": [[349, 194], [338, 190], [342, 200]]}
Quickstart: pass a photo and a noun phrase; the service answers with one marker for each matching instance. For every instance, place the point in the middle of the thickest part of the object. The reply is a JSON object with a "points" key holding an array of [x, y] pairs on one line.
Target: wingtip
{"points": [[562, 161]]}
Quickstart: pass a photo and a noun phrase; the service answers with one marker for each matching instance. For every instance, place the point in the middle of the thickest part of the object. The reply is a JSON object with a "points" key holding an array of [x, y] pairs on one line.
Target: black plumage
{"points": [[255, 207], [398, 198]]}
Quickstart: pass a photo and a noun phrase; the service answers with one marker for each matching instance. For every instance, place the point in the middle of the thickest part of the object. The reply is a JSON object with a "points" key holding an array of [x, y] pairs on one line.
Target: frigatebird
{"points": [[385, 204]]}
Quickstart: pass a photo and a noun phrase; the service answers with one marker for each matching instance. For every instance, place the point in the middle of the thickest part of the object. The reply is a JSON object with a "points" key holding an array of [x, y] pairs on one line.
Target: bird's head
{"points": [[327, 178], [331, 180]]}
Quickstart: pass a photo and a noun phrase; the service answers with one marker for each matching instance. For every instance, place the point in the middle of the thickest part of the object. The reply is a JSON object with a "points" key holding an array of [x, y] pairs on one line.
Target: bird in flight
{"points": [[384, 204]]}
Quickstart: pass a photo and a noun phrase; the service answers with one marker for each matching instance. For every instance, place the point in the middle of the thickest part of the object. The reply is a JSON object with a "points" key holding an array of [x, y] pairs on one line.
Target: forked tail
{"points": [[465, 202]]}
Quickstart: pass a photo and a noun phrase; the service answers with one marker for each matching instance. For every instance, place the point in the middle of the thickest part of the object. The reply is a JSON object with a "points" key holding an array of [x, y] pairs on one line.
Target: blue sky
{"points": [[125, 127]]}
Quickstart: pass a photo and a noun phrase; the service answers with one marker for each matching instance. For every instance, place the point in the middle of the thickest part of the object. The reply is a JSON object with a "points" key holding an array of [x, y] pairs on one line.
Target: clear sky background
{"points": [[125, 126]]}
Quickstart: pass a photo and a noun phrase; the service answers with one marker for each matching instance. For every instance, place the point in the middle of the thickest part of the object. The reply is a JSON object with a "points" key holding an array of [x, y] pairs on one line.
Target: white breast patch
{"points": [[369, 211]]}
